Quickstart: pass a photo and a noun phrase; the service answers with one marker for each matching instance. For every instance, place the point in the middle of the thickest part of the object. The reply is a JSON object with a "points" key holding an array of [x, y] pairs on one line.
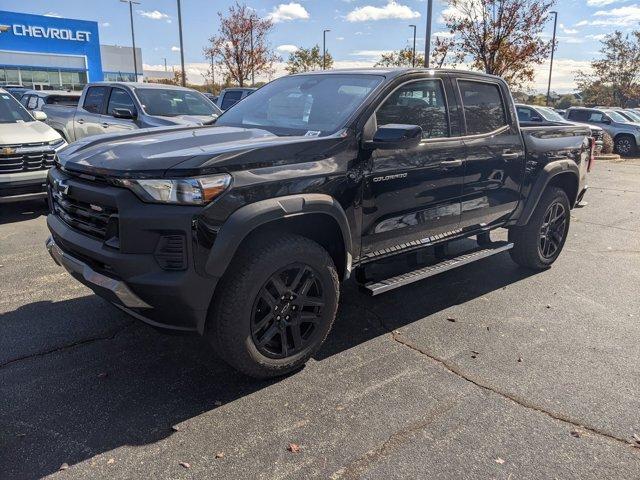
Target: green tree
{"points": [[308, 59], [567, 101], [615, 79], [400, 58]]}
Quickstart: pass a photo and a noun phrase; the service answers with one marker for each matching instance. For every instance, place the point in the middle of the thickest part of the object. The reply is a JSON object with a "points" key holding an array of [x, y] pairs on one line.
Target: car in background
{"points": [[230, 96], [535, 115], [214, 99], [625, 134], [115, 107], [27, 151], [34, 100], [16, 90]]}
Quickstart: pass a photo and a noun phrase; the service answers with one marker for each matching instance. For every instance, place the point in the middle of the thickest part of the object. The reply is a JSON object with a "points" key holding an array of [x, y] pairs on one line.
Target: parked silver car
{"points": [[34, 100], [625, 134], [114, 107]]}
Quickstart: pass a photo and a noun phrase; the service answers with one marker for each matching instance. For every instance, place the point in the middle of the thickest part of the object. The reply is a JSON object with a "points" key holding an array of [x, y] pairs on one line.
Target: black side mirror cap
{"points": [[395, 136], [123, 113]]}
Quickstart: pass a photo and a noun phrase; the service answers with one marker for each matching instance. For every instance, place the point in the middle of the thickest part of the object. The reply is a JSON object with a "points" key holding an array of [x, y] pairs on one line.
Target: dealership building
{"points": [[48, 52]]}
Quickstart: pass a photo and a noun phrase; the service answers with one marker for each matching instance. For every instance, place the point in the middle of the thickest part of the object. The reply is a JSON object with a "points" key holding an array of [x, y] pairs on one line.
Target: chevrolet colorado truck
{"points": [[243, 231], [115, 107]]}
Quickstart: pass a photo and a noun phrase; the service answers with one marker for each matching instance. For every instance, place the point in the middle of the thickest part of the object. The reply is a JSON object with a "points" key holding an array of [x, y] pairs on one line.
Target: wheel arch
{"points": [[318, 217], [563, 174]]}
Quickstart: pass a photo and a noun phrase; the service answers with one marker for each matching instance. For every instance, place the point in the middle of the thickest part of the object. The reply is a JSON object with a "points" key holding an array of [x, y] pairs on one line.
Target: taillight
{"points": [[592, 155]]}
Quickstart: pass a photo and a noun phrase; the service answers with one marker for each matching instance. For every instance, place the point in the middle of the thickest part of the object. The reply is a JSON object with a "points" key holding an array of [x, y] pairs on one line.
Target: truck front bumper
{"points": [[16, 187]]}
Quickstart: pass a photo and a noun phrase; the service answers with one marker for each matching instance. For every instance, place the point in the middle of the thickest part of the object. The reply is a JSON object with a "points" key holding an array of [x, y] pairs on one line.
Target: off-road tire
{"points": [[229, 326], [527, 239], [625, 145]]}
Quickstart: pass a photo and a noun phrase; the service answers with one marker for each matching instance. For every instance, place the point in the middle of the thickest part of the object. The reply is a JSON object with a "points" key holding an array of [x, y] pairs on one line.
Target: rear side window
{"points": [[94, 99], [231, 98], [417, 103], [33, 102], [580, 115], [525, 114], [25, 100], [484, 109], [69, 100]]}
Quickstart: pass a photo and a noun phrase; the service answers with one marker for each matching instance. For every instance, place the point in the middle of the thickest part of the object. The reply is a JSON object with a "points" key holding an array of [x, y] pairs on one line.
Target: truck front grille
{"points": [[25, 158], [98, 221]]}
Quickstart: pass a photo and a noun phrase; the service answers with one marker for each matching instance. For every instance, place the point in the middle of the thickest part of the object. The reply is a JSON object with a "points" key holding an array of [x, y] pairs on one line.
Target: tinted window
{"points": [[483, 107], [580, 115], [230, 99], [171, 103], [70, 100], [614, 115], [417, 103], [312, 105], [94, 99], [120, 99], [33, 102], [525, 114], [25, 100]]}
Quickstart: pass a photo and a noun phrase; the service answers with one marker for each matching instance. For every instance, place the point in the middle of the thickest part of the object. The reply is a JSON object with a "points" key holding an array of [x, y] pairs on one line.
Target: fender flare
{"points": [[548, 173], [246, 219]]}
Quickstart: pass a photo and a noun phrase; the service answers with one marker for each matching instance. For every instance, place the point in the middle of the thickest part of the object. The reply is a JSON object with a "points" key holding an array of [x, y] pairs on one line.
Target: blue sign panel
{"points": [[21, 32]]}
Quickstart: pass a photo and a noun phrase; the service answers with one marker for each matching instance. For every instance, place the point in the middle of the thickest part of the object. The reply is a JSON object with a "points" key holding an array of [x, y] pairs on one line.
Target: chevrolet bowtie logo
{"points": [[8, 151], [4, 28]]}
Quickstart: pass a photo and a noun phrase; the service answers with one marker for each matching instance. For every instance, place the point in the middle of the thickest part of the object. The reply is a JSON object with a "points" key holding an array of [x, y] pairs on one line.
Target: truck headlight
{"points": [[182, 191]]}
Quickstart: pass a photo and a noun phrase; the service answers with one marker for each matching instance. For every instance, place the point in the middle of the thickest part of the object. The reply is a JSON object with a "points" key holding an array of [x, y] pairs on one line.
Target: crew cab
{"points": [[114, 107], [27, 150], [243, 231]]}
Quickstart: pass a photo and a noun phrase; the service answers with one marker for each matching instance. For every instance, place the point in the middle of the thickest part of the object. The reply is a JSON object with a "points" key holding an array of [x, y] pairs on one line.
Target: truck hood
{"points": [[181, 151], [26, 132], [185, 120]]}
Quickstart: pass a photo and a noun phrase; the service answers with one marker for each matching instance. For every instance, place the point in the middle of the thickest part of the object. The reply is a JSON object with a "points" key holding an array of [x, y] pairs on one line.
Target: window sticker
{"points": [[312, 133]]}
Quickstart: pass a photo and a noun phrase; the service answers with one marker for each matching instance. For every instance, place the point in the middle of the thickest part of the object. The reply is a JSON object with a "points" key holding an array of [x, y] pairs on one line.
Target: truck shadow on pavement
{"points": [[19, 212], [70, 399]]}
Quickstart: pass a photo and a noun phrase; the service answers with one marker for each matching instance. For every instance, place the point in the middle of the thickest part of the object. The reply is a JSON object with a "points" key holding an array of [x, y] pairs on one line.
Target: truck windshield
{"points": [[311, 105], [616, 117], [171, 103], [551, 115], [11, 111]]}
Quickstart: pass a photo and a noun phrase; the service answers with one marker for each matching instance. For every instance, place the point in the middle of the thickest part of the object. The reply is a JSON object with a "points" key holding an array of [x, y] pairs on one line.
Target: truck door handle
{"points": [[80, 121], [508, 155], [105, 125], [451, 163]]}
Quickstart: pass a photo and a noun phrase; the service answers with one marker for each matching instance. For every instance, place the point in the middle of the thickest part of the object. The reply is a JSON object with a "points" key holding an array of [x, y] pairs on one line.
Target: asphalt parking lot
{"points": [[484, 372]]}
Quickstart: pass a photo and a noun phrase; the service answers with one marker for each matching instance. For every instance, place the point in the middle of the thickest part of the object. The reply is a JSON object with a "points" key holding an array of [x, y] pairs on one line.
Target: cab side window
{"points": [[484, 108], [525, 114], [231, 98], [420, 103], [120, 99], [94, 99], [33, 102]]}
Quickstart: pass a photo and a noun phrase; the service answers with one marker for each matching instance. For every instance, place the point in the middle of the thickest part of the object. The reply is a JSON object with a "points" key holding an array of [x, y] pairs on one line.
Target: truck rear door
{"points": [[90, 118], [495, 152]]}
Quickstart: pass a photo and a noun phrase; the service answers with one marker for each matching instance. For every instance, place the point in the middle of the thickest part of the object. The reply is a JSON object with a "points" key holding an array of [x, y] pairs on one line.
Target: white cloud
{"points": [[601, 3], [443, 34], [175, 49], [105, 24], [619, 17], [565, 71], [154, 15], [599, 37], [339, 38], [370, 55], [53, 14], [287, 48], [391, 10], [288, 11]]}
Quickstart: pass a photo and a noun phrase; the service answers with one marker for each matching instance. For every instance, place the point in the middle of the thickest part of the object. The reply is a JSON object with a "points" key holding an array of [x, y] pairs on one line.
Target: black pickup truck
{"points": [[243, 231]]}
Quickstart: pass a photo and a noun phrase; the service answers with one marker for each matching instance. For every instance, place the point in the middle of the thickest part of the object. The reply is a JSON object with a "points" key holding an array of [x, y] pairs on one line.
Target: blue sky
{"points": [[360, 29]]}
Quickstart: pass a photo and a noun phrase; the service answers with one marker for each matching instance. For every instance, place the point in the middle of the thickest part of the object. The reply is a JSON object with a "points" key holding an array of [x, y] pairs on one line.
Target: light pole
{"points": [[253, 71], [184, 78], [413, 58], [324, 49], [427, 40], [553, 49], [133, 36]]}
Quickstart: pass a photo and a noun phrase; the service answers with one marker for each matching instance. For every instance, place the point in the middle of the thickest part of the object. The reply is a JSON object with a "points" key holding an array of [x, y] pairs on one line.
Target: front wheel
{"points": [[625, 145], [276, 305], [539, 243]]}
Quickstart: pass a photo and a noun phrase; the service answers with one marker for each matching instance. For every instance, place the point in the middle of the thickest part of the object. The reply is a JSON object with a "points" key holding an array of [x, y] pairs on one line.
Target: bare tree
{"points": [[241, 47], [500, 37]]}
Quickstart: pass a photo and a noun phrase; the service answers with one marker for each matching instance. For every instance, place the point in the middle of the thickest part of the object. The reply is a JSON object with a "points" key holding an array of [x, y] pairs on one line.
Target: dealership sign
{"points": [[47, 32]]}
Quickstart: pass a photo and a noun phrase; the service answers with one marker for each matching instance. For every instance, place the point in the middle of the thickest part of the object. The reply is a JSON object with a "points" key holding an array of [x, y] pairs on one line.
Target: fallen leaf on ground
{"points": [[451, 319], [111, 460], [175, 428], [519, 359], [185, 465], [64, 466], [340, 407], [636, 437], [293, 448], [576, 433], [220, 455], [548, 306], [499, 460]]}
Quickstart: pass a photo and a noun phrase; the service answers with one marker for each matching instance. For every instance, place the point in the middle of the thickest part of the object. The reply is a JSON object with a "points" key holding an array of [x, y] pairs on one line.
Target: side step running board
{"points": [[378, 287]]}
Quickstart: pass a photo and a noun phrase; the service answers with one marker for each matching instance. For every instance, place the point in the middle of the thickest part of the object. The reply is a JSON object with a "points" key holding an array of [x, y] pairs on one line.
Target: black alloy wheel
{"points": [[625, 145], [287, 311], [553, 230]]}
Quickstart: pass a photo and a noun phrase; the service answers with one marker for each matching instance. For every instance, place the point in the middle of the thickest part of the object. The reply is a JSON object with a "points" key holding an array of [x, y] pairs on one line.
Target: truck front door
{"points": [[90, 118], [495, 153], [120, 99], [414, 194]]}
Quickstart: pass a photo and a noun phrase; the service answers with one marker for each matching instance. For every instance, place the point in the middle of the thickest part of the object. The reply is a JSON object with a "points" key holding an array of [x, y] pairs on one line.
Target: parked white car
{"points": [[27, 150]]}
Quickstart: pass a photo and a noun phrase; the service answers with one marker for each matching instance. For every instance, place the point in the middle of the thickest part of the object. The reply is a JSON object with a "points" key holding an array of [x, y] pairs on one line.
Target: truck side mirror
{"points": [[395, 136], [123, 113], [39, 115]]}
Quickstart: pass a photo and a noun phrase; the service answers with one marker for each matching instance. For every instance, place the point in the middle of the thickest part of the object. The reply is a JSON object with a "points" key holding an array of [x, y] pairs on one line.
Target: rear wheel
{"points": [[275, 307], [625, 145], [539, 243]]}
